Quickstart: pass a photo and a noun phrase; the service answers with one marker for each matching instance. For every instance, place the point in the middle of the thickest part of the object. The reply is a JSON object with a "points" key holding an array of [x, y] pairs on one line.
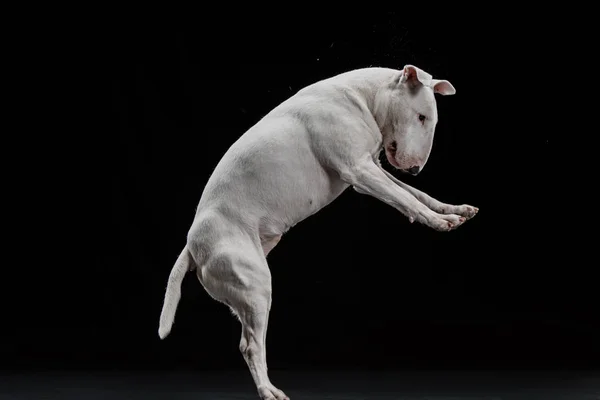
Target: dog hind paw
{"points": [[271, 393]]}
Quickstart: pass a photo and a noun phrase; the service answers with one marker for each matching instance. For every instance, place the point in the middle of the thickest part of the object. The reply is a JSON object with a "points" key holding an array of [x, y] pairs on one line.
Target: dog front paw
{"points": [[454, 219], [442, 222], [464, 210]]}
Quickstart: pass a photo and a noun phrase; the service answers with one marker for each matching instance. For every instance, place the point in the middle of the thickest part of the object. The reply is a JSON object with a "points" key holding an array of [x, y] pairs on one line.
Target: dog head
{"points": [[406, 113]]}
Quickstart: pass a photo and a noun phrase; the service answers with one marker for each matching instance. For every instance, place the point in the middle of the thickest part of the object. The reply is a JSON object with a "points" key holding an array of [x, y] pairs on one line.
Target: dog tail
{"points": [[183, 264]]}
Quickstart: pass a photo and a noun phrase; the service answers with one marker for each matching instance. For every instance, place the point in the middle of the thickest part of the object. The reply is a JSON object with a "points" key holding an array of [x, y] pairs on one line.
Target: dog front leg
{"points": [[367, 178], [463, 210]]}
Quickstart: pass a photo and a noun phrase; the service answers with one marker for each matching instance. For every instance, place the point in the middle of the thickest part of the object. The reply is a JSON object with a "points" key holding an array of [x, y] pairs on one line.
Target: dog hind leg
{"points": [[267, 246], [239, 277]]}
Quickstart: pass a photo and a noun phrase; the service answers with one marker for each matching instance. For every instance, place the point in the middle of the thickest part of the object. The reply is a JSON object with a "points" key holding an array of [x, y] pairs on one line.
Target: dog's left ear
{"points": [[442, 87], [412, 74]]}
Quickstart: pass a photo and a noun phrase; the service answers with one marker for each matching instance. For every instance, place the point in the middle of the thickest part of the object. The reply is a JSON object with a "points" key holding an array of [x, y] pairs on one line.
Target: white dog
{"points": [[292, 163]]}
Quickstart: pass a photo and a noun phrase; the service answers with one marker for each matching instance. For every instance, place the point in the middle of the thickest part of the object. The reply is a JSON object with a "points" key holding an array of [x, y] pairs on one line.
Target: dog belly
{"points": [[288, 207], [274, 202]]}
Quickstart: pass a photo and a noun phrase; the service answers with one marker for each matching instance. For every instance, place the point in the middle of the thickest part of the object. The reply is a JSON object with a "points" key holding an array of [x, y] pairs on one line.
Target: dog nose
{"points": [[414, 170]]}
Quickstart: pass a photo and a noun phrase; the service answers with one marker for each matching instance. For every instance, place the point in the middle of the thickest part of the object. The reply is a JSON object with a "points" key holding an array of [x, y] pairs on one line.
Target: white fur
{"points": [[292, 163]]}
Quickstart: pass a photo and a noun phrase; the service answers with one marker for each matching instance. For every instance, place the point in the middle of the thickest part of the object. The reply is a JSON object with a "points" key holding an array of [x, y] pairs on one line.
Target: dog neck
{"points": [[373, 85]]}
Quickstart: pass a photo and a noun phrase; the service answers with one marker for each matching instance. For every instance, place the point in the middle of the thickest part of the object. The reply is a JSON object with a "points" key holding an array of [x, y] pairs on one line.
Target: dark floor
{"points": [[438, 385]]}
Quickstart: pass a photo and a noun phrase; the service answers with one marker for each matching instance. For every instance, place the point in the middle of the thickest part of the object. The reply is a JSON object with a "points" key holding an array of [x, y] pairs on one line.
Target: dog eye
{"points": [[422, 118]]}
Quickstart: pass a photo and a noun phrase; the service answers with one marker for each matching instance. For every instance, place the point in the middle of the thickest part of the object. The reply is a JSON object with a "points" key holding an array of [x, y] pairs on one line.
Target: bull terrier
{"points": [[296, 160]]}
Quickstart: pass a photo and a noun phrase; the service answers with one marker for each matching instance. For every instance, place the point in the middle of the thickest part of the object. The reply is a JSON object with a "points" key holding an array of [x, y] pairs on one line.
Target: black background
{"points": [[355, 285]]}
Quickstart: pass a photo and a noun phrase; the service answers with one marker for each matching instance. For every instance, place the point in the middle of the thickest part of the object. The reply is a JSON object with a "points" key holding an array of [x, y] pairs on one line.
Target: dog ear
{"points": [[442, 87], [412, 74]]}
